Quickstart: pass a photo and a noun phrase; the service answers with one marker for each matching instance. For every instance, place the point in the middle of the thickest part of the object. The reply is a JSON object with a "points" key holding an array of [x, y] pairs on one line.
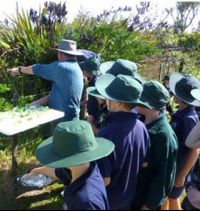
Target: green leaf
{"points": [[4, 44]]}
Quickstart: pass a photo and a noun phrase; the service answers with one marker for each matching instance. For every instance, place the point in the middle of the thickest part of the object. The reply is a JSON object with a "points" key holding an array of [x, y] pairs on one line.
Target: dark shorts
{"points": [[176, 192]]}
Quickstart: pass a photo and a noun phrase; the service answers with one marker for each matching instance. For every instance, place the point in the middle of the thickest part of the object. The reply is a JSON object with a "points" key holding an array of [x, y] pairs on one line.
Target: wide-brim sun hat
{"points": [[196, 94], [154, 96], [121, 67], [73, 143], [93, 92], [68, 47], [86, 54], [120, 88], [90, 65], [105, 66], [182, 85]]}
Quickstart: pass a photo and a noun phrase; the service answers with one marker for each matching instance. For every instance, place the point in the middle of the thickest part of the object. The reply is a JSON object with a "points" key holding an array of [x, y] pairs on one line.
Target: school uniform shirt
{"points": [[182, 123], [87, 192], [131, 145], [67, 86], [157, 179], [92, 103]]}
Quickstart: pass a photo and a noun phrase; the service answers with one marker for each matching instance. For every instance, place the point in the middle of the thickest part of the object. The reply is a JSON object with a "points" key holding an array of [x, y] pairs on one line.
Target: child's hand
{"points": [[33, 172]]}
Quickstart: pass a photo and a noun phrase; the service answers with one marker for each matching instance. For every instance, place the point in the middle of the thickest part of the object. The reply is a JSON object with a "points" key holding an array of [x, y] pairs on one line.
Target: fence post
{"points": [[160, 72], [169, 68], [182, 63]]}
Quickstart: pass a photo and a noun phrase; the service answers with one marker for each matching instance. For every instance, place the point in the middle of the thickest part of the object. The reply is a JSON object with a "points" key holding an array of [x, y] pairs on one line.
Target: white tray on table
{"points": [[20, 120]]}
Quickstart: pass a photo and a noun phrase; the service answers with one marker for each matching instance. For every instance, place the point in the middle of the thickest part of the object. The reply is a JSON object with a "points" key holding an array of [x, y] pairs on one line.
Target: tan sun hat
{"points": [[68, 47]]}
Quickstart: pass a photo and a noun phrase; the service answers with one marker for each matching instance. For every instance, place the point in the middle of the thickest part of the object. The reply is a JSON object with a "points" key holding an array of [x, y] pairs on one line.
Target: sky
{"points": [[95, 7]]}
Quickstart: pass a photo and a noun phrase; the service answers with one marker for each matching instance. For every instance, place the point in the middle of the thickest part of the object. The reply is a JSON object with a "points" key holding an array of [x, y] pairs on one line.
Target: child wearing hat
{"points": [[165, 83], [120, 169], [90, 69], [183, 121], [121, 67], [158, 174], [72, 151], [193, 141], [99, 120]]}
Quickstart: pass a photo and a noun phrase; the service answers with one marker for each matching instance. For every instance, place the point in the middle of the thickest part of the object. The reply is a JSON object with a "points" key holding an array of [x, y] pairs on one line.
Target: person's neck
{"points": [[123, 109], [151, 117], [79, 171], [183, 106]]}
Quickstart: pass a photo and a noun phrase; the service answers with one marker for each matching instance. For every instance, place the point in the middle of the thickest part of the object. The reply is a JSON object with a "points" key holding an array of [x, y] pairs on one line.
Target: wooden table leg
{"points": [[14, 158]]}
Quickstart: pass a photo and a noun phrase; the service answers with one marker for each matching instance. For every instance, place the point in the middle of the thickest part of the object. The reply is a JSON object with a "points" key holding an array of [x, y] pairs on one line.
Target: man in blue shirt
{"points": [[67, 79], [69, 156], [120, 170]]}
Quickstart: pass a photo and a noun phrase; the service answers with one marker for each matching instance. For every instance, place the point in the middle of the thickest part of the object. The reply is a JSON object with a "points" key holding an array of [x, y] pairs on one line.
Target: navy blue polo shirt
{"points": [[183, 121], [87, 192], [67, 86], [131, 145]]}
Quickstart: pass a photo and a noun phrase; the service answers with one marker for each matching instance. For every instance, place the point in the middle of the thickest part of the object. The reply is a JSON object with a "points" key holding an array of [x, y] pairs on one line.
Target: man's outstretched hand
{"points": [[14, 71]]}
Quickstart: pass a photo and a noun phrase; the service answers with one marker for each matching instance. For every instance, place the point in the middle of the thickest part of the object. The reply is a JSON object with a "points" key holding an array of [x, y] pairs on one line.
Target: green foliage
{"points": [[24, 42], [27, 39], [111, 40]]}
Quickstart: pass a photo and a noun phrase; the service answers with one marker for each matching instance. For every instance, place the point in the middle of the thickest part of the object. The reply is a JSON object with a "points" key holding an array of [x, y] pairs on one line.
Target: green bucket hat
{"points": [[181, 86], [73, 143], [93, 92], [104, 67], [154, 96], [119, 88], [91, 65], [121, 67]]}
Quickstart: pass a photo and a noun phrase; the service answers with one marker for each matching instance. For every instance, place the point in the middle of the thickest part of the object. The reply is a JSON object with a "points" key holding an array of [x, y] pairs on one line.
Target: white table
{"points": [[19, 120]]}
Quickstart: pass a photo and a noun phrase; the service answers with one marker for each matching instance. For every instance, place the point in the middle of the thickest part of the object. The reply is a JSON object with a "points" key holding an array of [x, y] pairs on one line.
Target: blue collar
{"points": [[185, 112], [122, 116]]}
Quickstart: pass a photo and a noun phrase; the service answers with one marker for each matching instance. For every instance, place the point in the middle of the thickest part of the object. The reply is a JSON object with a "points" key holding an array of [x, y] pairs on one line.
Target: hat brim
{"points": [[74, 53], [147, 105], [47, 156], [101, 85], [196, 94], [174, 78], [106, 66], [93, 92], [139, 78], [144, 104]]}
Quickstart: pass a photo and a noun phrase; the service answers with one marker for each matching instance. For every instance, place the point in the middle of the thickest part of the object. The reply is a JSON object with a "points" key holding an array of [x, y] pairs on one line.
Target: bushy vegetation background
{"points": [[157, 48]]}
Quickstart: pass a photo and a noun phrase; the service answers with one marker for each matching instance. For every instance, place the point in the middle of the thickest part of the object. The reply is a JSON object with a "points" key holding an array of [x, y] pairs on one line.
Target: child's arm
{"points": [[50, 172], [193, 140], [190, 160]]}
